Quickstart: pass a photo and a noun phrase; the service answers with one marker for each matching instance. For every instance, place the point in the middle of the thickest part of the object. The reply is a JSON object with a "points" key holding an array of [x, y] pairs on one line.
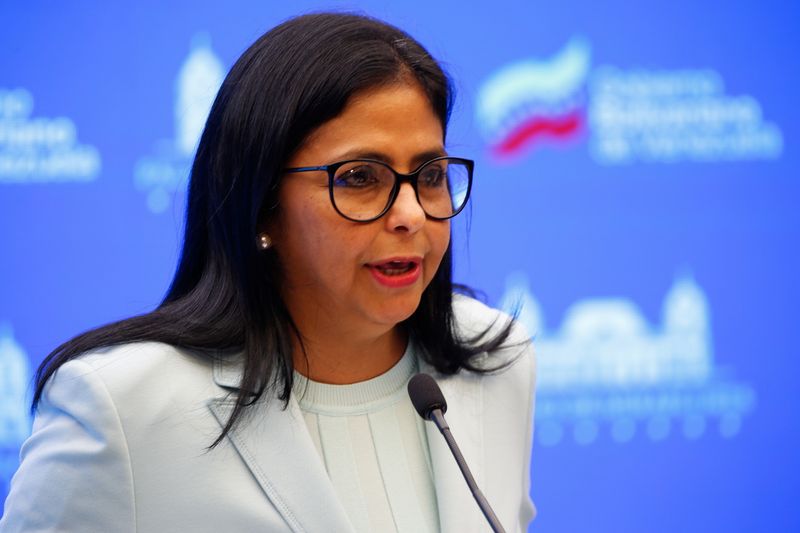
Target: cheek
{"points": [[297, 231], [439, 239], [301, 208], [315, 242]]}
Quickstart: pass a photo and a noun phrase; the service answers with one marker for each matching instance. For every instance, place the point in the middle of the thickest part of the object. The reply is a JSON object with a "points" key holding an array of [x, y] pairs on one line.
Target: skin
{"points": [[349, 321]]}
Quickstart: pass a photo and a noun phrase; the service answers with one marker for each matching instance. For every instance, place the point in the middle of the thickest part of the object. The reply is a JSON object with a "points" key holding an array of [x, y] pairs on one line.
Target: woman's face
{"points": [[360, 277]]}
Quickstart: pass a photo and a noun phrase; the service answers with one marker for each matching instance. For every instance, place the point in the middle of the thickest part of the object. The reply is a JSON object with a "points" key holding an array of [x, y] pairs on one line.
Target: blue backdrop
{"points": [[636, 191]]}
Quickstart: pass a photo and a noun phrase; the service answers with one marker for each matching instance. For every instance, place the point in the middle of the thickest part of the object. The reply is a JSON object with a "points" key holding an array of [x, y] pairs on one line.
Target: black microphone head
{"points": [[426, 395]]}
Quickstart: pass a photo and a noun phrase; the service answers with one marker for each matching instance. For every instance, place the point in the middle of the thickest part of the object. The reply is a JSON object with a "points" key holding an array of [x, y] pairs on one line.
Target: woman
{"points": [[267, 391]]}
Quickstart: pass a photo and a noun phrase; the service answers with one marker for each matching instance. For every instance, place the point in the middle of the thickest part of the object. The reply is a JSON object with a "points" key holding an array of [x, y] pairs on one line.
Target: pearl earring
{"points": [[264, 242]]}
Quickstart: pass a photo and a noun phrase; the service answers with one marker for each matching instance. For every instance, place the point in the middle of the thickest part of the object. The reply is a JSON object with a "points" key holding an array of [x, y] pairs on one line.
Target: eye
{"points": [[433, 176], [358, 176]]}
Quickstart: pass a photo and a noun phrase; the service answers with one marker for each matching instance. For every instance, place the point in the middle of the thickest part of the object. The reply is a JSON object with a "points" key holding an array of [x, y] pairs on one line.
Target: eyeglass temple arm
{"points": [[305, 169]]}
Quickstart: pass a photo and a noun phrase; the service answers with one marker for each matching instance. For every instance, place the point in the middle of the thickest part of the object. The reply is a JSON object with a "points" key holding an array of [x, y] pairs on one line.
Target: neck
{"points": [[344, 357]]}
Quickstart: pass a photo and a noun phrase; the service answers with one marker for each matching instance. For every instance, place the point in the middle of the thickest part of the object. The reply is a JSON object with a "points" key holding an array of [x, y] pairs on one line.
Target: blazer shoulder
{"points": [[474, 314], [145, 361], [142, 374], [476, 320]]}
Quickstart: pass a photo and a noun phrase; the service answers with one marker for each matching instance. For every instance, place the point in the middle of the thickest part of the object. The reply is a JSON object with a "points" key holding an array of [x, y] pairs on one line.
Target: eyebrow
{"points": [[417, 160]]}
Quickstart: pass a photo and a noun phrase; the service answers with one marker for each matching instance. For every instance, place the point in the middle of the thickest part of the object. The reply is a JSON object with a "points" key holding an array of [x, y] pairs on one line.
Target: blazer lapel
{"points": [[458, 511], [275, 445]]}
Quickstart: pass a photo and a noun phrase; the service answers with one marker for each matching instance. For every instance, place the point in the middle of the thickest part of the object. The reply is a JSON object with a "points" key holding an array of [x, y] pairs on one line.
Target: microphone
{"points": [[428, 400]]}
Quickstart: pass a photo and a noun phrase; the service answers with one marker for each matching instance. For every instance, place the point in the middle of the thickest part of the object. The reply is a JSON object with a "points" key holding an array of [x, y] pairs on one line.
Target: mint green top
{"points": [[374, 448]]}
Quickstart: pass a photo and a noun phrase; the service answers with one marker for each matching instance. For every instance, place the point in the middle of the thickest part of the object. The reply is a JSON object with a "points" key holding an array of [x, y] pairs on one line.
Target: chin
{"points": [[396, 310]]}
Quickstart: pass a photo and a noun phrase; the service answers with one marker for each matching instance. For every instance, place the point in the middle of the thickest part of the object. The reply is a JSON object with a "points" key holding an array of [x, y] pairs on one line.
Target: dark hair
{"points": [[224, 298]]}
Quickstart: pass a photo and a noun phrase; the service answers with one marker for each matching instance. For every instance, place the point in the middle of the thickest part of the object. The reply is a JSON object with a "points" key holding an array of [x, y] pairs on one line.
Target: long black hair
{"points": [[224, 298]]}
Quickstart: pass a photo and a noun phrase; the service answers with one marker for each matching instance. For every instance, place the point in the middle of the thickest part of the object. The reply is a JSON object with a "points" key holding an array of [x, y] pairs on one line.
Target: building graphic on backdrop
{"points": [[15, 422], [161, 174], [607, 366], [657, 116], [39, 149]]}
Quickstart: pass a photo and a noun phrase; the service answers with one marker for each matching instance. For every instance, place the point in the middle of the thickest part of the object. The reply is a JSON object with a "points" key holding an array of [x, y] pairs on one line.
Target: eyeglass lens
{"points": [[363, 189]]}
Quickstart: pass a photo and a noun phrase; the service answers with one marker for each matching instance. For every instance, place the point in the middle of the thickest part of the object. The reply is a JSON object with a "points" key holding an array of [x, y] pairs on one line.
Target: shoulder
{"points": [[137, 375], [132, 411], [476, 321], [144, 356], [139, 362], [128, 394], [474, 314]]}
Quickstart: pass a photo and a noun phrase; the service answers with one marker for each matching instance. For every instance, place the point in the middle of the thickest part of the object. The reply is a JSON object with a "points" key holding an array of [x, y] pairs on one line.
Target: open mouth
{"points": [[400, 272], [396, 268]]}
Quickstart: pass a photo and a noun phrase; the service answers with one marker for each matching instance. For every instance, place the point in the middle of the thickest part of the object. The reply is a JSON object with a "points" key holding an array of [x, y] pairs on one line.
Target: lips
{"points": [[396, 272]]}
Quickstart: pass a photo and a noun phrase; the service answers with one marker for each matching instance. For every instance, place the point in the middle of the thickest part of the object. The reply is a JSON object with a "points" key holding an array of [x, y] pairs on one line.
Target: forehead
{"points": [[395, 121]]}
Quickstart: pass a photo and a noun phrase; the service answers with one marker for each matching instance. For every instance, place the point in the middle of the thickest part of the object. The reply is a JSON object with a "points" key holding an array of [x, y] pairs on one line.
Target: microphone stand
{"points": [[438, 418]]}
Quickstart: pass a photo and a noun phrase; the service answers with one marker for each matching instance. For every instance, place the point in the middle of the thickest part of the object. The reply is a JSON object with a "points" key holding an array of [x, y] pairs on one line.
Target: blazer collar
{"points": [[275, 445], [228, 372]]}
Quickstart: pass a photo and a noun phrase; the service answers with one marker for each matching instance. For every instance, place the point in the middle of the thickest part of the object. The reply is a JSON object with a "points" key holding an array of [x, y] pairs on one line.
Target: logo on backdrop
{"points": [[160, 174], [606, 365], [529, 101], [15, 422], [35, 149], [657, 116]]}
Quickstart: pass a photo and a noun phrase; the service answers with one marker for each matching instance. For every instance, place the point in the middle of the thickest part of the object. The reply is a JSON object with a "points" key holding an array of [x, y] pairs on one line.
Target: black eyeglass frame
{"points": [[399, 179]]}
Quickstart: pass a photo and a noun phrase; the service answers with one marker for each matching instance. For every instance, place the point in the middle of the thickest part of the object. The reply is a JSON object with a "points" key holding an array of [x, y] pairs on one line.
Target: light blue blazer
{"points": [[120, 445]]}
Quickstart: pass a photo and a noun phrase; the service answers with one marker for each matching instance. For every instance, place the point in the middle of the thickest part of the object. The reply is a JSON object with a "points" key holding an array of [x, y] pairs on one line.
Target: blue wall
{"points": [[636, 191]]}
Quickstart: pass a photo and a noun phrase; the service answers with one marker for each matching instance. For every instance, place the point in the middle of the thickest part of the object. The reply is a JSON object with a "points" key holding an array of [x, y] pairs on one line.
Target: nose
{"points": [[405, 215]]}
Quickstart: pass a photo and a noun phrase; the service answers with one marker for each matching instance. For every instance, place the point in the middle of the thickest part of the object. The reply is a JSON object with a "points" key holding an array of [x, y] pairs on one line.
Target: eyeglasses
{"points": [[363, 190]]}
